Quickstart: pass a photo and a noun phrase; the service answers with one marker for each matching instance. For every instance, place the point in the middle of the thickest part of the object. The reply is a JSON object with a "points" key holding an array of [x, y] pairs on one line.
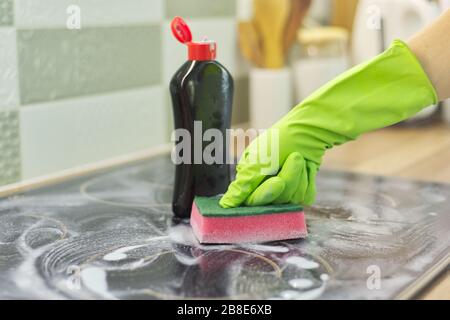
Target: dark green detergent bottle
{"points": [[202, 95]]}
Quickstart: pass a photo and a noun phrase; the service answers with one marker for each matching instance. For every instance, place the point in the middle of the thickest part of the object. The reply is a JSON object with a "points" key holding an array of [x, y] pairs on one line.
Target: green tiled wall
{"points": [[6, 12], [200, 8], [9, 146], [72, 97], [58, 63], [9, 96], [52, 13]]}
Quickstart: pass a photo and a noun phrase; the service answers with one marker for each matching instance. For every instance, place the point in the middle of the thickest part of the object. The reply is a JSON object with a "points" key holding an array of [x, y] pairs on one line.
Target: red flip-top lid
{"points": [[204, 50]]}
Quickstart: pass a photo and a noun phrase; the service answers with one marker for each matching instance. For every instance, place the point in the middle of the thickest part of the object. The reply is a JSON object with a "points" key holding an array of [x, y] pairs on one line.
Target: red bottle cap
{"points": [[204, 50]]}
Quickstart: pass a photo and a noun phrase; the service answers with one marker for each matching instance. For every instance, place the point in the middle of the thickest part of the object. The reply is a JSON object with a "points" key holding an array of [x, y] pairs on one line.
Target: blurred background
{"points": [[83, 81]]}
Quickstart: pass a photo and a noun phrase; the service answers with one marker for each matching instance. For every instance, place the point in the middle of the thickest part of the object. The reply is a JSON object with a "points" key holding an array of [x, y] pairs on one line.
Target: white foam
{"points": [[324, 277], [186, 260], [95, 280], [289, 294], [301, 283], [120, 254], [182, 234], [302, 263], [267, 248], [303, 295]]}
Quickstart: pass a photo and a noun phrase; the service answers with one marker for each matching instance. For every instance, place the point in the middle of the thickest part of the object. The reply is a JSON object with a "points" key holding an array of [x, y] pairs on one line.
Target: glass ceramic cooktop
{"points": [[111, 236]]}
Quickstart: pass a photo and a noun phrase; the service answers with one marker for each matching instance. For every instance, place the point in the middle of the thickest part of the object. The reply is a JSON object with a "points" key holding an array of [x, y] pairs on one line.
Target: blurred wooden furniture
{"points": [[249, 43], [270, 18], [266, 37], [416, 153], [343, 13], [298, 11]]}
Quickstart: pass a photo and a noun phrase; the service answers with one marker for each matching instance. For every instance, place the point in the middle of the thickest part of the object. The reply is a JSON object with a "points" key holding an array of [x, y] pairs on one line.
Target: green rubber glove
{"points": [[383, 91]]}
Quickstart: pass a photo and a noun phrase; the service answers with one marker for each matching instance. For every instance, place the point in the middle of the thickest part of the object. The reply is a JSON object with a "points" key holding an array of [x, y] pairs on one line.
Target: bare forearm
{"points": [[432, 47]]}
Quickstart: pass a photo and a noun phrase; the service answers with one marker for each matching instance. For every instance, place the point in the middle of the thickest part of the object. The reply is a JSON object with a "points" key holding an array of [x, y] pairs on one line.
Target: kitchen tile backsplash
{"points": [[60, 63], [9, 93], [200, 8], [6, 12], [112, 124], [94, 13], [83, 80], [9, 146]]}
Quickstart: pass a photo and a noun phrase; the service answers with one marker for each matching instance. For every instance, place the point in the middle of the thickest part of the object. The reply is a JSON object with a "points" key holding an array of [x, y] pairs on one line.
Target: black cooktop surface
{"points": [[111, 235]]}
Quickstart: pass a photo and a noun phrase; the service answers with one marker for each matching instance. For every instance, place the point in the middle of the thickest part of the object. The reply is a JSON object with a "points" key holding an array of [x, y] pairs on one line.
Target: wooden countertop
{"points": [[417, 153]]}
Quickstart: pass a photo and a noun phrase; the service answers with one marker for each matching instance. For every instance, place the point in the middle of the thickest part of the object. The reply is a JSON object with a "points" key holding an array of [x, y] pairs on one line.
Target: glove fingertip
{"points": [[266, 193], [226, 203]]}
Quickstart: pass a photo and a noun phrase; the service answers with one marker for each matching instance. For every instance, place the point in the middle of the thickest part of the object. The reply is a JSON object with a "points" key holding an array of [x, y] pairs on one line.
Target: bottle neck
{"points": [[201, 51]]}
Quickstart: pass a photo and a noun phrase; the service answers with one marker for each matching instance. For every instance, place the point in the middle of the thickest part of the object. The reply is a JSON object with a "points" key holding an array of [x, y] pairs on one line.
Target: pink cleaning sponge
{"points": [[214, 224]]}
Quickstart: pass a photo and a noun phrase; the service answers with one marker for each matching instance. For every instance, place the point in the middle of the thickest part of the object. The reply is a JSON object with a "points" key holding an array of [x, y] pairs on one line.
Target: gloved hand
{"points": [[383, 91]]}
